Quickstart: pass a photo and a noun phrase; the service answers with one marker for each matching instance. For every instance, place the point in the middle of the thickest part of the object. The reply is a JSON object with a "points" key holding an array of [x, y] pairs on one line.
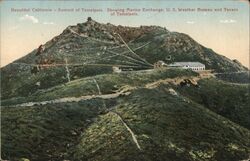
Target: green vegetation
{"points": [[167, 126], [229, 100], [45, 132], [55, 131], [108, 83], [242, 78]]}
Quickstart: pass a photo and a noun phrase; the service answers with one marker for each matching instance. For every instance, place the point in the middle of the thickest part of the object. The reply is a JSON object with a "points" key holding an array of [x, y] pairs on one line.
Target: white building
{"points": [[195, 66]]}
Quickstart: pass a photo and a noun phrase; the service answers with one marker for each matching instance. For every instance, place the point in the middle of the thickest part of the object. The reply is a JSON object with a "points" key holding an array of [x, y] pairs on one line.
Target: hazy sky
{"points": [[226, 32]]}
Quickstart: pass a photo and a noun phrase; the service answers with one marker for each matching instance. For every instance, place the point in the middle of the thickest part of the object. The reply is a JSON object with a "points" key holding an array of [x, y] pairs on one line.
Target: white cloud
{"points": [[48, 23], [228, 21], [29, 18], [190, 22]]}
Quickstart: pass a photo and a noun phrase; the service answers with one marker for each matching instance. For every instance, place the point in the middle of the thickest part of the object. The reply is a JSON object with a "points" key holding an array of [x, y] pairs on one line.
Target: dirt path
{"points": [[126, 90], [143, 60], [97, 40], [72, 99], [118, 115], [129, 129]]}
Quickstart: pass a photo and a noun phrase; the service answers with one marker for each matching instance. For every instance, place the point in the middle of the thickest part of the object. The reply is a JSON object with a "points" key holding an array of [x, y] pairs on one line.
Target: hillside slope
{"points": [[166, 120], [167, 127], [229, 100]]}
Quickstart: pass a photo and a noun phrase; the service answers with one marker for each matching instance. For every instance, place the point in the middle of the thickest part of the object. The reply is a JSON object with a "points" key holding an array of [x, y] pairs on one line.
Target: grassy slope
{"points": [[243, 78], [229, 100], [167, 128], [108, 84], [45, 132], [182, 47]]}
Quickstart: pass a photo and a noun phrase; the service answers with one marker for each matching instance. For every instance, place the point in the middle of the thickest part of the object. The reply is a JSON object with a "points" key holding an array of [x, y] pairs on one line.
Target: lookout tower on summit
{"points": [[89, 19]]}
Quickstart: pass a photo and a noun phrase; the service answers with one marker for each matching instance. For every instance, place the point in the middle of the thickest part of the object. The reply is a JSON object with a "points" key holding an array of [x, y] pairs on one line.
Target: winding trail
{"points": [[72, 99], [129, 129], [130, 58], [75, 64], [84, 36], [97, 86], [147, 63], [122, 91], [125, 52], [119, 116]]}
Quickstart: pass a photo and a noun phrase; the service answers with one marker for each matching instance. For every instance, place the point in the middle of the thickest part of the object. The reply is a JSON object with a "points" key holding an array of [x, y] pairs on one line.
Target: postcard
{"points": [[123, 80]]}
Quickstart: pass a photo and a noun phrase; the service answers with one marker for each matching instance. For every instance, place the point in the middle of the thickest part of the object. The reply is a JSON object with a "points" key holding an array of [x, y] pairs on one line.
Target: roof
{"points": [[189, 64]]}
